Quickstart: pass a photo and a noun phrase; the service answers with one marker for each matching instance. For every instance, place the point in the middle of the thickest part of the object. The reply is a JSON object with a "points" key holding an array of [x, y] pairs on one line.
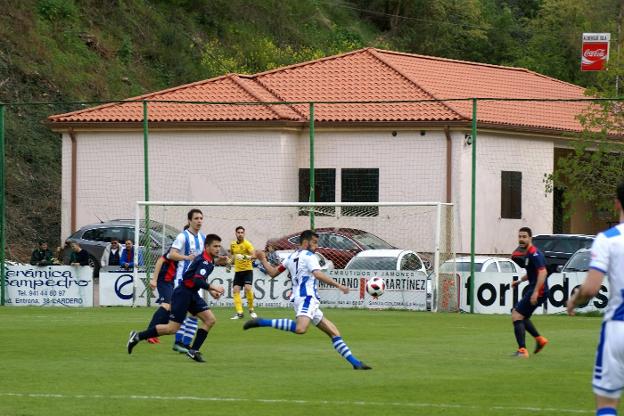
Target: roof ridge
{"points": [[374, 53], [138, 97], [275, 94], [234, 78]]}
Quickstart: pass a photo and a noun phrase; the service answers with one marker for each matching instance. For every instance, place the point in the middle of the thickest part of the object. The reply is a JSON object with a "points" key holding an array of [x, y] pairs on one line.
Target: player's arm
{"points": [[270, 269], [175, 255], [157, 268], [328, 280], [589, 289]]}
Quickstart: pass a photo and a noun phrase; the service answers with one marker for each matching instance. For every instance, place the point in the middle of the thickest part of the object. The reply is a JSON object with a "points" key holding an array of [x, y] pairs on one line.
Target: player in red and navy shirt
{"points": [[532, 260], [162, 280], [186, 298]]}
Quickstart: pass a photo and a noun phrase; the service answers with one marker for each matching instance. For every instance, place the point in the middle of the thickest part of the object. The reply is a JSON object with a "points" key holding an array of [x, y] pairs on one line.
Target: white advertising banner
{"points": [[49, 286], [494, 294], [404, 289]]}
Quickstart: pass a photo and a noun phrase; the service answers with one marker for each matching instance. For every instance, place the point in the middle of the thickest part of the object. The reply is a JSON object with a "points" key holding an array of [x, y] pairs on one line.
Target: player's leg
{"points": [[608, 377], [540, 341], [178, 344], [249, 293], [520, 332], [300, 326], [199, 307], [161, 315], [340, 346], [178, 312], [190, 328], [237, 284]]}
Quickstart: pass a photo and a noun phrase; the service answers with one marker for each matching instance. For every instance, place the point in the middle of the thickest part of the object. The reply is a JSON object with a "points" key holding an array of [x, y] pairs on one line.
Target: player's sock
{"points": [[191, 329], [161, 316], [238, 303], [148, 333], [199, 339], [519, 331], [250, 298], [287, 325], [531, 328], [606, 411], [343, 349], [179, 335]]}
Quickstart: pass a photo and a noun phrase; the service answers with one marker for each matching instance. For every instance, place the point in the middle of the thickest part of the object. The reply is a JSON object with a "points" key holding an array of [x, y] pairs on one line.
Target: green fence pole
{"points": [[473, 137], [146, 243], [2, 208], [312, 195]]}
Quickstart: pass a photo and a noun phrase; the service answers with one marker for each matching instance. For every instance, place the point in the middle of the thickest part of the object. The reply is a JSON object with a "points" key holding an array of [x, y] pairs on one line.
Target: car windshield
{"points": [[561, 245], [579, 262], [162, 233], [372, 263], [462, 266], [371, 242]]}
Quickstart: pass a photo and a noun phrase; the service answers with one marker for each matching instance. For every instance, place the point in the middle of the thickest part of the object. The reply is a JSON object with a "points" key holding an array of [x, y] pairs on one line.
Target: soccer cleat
{"points": [[362, 366], [237, 316], [252, 323], [521, 353], [540, 343], [181, 348], [154, 340], [132, 341], [195, 355], [253, 314]]}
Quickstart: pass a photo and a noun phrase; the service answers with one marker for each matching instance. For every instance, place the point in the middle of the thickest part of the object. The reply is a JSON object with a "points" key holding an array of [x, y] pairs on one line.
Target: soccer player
{"points": [[607, 258], [243, 254], [162, 280], [186, 246], [186, 298], [305, 270], [533, 261]]}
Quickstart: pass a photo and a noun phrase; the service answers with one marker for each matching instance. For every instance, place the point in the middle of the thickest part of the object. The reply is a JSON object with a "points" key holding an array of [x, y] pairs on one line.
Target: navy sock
{"points": [[531, 328], [200, 337], [519, 331], [148, 333], [161, 316]]}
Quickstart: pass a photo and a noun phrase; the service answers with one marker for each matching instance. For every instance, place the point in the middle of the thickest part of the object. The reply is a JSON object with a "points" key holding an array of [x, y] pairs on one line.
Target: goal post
{"points": [[409, 237]]}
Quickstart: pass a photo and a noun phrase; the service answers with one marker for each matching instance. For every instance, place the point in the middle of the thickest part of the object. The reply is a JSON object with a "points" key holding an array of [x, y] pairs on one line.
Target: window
{"points": [[511, 194], [336, 242], [410, 262], [360, 185], [491, 267], [506, 267], [324, 189]]}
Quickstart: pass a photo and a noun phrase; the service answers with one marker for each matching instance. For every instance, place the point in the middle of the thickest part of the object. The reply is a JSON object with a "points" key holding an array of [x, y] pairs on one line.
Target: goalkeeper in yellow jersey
{"points": [[242, 253]]}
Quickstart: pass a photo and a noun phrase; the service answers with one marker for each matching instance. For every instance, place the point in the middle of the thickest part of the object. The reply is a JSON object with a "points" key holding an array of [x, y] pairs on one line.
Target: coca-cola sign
{"points": [[595, 51]]}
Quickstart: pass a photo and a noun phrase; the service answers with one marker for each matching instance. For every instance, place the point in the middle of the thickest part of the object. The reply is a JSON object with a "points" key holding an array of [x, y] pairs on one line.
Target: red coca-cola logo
{"points": [[598, 53]]}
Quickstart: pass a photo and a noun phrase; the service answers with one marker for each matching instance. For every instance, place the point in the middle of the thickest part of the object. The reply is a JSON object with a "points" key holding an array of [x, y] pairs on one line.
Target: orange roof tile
{"points": [[361, 76]]}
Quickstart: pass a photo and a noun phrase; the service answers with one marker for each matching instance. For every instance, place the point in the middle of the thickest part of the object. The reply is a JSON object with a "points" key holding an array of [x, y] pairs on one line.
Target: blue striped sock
{"points": [[282, 324], [179, 336], [343, 349], [606, 411], [189, 332]]}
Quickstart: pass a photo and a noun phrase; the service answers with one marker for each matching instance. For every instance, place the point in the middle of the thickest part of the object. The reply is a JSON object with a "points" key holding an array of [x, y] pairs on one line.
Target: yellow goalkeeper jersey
{"points": [[246, 249]]}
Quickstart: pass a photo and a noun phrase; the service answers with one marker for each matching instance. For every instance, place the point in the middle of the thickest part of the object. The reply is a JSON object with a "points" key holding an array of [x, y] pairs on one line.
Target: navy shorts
{"points": [[185, 300], [243, 278], [165, 290], [524, 306]]}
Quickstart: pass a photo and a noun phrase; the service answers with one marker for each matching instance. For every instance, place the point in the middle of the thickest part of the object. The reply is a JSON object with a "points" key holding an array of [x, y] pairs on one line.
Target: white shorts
{"points": [[608, 379], [308, 306]]}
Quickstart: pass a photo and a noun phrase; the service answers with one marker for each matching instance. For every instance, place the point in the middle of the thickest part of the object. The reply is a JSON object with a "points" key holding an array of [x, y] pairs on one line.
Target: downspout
{"points": [[449, 165], [74, 153]]}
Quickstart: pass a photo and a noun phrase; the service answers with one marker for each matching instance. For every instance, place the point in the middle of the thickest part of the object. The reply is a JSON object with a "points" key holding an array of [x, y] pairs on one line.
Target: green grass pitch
{"points": [[74, 362]]}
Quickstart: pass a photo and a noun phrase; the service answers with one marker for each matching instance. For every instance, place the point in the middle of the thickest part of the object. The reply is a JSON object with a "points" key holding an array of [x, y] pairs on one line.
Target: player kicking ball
{"points": [[186, 298], [305, 270]]}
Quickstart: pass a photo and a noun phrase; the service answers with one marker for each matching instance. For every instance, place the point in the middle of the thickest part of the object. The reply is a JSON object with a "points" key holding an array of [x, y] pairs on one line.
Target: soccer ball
{"points": [[375, 286]]}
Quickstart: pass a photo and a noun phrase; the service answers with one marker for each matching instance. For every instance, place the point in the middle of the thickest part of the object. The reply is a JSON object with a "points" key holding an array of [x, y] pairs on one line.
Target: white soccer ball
{"points": [[375, 286]]}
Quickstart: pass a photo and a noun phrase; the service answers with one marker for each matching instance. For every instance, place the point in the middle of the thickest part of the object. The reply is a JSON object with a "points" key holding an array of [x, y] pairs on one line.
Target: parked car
{"points": [[386, 259], [558, 248], [482, 264], [337, 244], [94, 237], [579, 262]]}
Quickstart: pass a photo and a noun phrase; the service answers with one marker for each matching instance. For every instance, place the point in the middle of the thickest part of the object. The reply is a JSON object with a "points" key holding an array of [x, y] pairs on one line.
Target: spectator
{"points": [[59, 255], [112, 253], [79, 256], [41, 256], [126, 259]]}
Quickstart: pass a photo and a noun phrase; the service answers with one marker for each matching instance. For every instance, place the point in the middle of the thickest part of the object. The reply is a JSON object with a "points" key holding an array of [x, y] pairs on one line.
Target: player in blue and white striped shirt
{"points": [[305, 272], [188, 244], [607, 259]]}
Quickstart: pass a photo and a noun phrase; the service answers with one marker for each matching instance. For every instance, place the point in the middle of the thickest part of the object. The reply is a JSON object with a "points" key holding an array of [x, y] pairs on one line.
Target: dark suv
{"points": [[94, 237], [558, 248]]}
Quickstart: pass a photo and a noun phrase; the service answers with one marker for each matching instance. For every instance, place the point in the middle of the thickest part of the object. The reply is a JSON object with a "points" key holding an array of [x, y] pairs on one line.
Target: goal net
{"points": [[405, 243]]}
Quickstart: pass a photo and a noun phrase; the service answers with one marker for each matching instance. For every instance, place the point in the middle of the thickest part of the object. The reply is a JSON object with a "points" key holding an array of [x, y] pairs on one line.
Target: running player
{"points": [[305, 270], [607, 259]]}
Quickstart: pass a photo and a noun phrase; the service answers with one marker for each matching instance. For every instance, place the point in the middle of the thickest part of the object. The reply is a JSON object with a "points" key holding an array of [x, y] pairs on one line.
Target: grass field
{"points": [[74, 362]]}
